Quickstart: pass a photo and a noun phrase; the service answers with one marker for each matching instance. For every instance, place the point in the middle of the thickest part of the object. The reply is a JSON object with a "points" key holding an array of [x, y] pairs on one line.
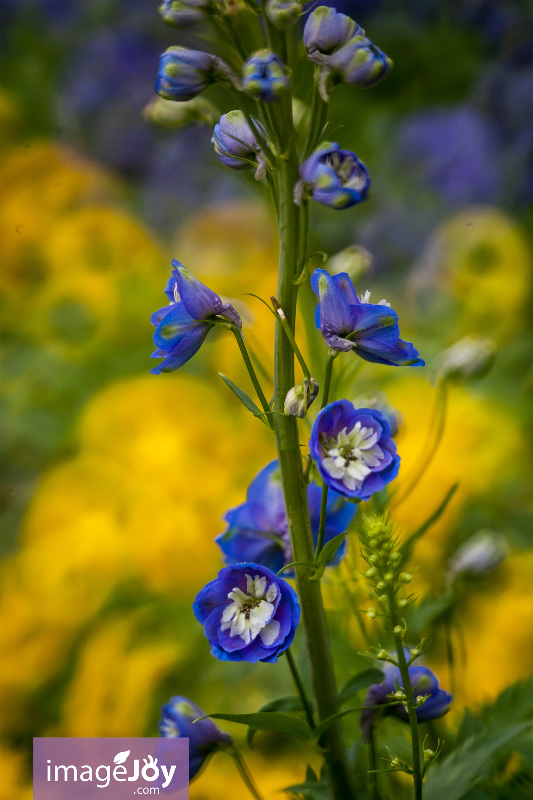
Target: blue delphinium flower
{"points": [[353, 449], [184, 74], [182, 326], [333, 177], [264, 76], [424, 682], [349, 323], [258, 530], [236, 144], [325, 31], [248, 613], [177, 720]]}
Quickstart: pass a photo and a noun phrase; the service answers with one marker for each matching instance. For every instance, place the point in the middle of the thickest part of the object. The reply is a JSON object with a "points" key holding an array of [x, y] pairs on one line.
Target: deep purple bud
{"points": [[333, 177], [325, 31], [264, 76], [236, 145], [177, 720], [184, 74]]}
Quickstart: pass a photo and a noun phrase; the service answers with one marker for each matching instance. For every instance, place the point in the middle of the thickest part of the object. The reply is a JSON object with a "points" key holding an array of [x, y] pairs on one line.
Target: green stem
{"points": [[245, 773], [253, 376], [300, 689], [410, 702], [322, 523], [319, 112], [373, 763], [294, 486], [327, 380], [286, 327]]}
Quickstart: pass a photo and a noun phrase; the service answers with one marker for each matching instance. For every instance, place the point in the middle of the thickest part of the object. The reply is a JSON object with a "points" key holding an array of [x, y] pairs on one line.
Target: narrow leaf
{"points": [[329, 550], [408, 545], [365, 678], [245, 399], [273, 721], [289, 702]]}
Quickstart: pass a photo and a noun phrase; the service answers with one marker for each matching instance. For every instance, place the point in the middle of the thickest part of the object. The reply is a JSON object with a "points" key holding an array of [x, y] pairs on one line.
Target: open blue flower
{"points": [[182, 326], [248, 613], [177, 720], [353, 449], [349, 323], [258, 530], [423, 681], [332, 177]]}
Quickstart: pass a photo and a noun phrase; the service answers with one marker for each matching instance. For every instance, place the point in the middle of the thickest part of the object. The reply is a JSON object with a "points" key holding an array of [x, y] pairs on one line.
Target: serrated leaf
{"points": [[272, 721], [245, 399], [451, 778], [365, 678], [409, 544], [120, 758], [290, 702]]}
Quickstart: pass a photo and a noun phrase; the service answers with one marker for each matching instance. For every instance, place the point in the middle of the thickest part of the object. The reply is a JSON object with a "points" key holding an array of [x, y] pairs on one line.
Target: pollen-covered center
{"points": [[350, 456], [250, 614]]}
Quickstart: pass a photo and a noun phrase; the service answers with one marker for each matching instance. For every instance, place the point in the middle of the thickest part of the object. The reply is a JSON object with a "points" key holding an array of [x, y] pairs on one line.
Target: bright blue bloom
{"points": [[353, 449], [349, 323], [359, 63], [333, 177], [177, 720], [236, 145], [258, 530], [248, 613], [182, 326], [424, 682], [264, 76], [184, 74], [325, 31]]}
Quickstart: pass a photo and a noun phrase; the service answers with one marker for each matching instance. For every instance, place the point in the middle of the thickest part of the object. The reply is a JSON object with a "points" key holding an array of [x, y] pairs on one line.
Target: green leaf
{"points": [[272, 721], [245, 399], [409, 544], [327, 553], [310, 790], [360, 681], [451, 778], [289, 702], [513, 705]]}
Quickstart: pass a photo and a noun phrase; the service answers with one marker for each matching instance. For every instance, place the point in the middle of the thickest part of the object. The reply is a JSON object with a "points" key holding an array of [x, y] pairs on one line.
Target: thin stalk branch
{"points": [[245, 773], [253, 376], [300, 688], [322, 523], [327, 380]]}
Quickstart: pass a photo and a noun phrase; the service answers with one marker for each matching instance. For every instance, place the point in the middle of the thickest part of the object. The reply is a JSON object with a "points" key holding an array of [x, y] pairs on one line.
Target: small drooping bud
{"points": [[283, 13], [168, 114], [236, 144], [481, 553], [264, 76], [186, 13], [355, 260], [359, 63], [471, 357], [183, 74], [300, 398]]}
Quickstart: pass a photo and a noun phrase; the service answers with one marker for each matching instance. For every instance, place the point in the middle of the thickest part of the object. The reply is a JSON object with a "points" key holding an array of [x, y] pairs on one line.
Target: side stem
{"points": [[245, 773], [300, 688], [411, 709]]}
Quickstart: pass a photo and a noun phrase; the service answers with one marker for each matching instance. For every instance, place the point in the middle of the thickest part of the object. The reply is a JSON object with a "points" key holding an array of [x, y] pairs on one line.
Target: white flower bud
{"points": [[471, 357], [482, 552], [300, 398], [354, 260]]}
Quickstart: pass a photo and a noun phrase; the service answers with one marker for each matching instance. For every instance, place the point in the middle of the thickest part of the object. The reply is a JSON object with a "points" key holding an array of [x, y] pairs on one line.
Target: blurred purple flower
{"points": [[456, 150]]}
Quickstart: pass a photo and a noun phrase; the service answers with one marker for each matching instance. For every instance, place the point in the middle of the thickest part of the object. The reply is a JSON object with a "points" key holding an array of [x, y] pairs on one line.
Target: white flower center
{"points": [[365, 298], [350, 455], [250, 613]]}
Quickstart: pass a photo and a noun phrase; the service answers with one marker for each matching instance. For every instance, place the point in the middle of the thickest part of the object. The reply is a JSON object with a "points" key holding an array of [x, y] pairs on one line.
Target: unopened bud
{"points": [[398, 631], [428, 754], [283, 13], [383, 655], [471, 357], [405, 577], [357, 262], [300, 398], [402, 603], [169, 114], [371, 573], [380, 585], [481, 553], [372, 613]]}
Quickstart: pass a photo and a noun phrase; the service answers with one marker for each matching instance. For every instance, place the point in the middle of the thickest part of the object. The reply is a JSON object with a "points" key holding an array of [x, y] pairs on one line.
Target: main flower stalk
{"points": [[294, 486]]}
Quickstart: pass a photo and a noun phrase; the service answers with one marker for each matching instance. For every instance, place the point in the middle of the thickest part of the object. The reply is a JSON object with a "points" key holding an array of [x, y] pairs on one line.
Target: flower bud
{"points": [[359, 63], [183, 74], [354, 260], [372, 613], [264, 76], [183, 13], [482, 552], [325, 31], [283, 13], [428, 754], [236, 144], [168, 114], [381, 403], [383, 655], [332, 177], [300, 398], [471, 357]]}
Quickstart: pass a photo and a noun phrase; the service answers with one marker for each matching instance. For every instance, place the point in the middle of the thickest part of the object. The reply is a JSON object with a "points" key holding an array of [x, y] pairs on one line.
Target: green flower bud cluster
{"points": [[385, 575]]}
